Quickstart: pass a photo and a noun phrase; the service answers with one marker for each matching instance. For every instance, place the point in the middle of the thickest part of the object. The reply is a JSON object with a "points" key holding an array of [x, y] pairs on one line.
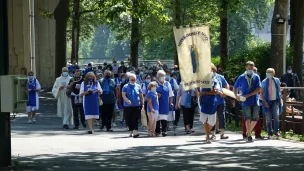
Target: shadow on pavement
{"points": [[167, 158]]}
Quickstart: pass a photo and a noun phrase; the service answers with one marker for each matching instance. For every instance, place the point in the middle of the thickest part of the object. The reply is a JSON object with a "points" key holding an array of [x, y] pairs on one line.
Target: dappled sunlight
{"points": [[46, 146], [151, 158]]}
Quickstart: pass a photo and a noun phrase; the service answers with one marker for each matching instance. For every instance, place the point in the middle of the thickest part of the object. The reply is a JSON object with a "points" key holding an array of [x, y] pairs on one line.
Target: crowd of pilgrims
{"points": [[93, 95]]}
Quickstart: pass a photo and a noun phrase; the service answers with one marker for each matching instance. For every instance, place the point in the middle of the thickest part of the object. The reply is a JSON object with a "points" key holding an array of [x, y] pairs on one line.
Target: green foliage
{"points": [[90, 18], [257, 52], [216, 60]]}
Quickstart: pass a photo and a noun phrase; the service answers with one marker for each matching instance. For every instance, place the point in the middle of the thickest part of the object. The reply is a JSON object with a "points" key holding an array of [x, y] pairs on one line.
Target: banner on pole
{"points": [[194, 56]]}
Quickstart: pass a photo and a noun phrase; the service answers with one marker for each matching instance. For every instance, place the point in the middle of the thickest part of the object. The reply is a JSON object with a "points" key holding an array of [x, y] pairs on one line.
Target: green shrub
{"points": [[216, 60], [260, 54]]}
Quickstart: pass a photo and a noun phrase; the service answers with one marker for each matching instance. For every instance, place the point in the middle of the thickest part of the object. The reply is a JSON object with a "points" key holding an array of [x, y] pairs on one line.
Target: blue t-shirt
{"points": [[209, 102], [154, 98], [222, 83], [108, 96], [242, 84], [132, 93]]}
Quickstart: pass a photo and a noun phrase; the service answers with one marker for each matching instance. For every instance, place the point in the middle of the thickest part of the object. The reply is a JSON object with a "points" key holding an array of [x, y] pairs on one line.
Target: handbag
{"points": [[100, 102], [144, 122]]}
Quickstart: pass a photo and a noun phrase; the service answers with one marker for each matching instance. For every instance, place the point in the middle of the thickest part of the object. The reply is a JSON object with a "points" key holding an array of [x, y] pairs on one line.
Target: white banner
{"points": [[194, 56]]}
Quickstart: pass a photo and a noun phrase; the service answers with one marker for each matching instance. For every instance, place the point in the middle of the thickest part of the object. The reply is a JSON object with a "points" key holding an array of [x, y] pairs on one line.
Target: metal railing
{"points": [[299, 104], [296, 123]]}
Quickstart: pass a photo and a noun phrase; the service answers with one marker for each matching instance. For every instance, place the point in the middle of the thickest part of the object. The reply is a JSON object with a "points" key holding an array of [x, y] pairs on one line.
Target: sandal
{"points": [[150, 134], [213, 137]]}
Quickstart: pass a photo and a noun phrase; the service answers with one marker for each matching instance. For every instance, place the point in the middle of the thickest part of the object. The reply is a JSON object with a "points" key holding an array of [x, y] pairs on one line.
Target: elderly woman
{"points": [[133, 99], [108, 98], [152, 107], [90, 90], [165, 94], [271, 97], [187, 100]]}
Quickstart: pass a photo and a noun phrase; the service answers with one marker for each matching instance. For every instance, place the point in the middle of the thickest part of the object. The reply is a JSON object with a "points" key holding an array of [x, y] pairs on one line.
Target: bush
{"points": [[216, 60], [259, 54]]}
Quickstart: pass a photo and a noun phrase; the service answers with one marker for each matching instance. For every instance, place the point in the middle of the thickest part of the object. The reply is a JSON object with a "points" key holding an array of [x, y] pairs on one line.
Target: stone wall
{"points": [[19, 40]]}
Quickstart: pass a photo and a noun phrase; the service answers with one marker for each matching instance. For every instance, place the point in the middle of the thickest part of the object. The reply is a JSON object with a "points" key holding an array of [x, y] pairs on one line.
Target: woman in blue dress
{"points": [[90, 90], [32, 104], [165, 94], [133, 103]]}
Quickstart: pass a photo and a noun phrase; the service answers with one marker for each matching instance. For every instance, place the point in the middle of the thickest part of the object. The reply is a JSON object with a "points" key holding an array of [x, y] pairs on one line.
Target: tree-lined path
{"points": [[46, 146]]}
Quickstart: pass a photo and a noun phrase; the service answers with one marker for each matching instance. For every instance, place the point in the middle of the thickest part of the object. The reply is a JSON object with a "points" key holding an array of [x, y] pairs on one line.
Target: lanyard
{"points": [[249, 80]]}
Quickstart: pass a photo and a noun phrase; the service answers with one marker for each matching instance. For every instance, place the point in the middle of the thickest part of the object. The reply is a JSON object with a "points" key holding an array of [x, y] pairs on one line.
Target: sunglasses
{"points": [[132, 80], [31, 75]]}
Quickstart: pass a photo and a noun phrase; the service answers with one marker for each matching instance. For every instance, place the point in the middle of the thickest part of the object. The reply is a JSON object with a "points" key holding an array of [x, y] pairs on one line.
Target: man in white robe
{"points": [[64, 103]]}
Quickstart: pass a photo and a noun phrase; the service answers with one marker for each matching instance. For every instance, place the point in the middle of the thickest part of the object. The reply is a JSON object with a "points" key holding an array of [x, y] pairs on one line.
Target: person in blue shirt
{"points": [[90, 90], [186, 100], [208, 104], [144, 87], [124, 81], [175, 88], [220, 110], [271, 97], [88, 69], [152, 107], [250, 86], [165, 94], [109, 99], [32, 104], [133, 103]]}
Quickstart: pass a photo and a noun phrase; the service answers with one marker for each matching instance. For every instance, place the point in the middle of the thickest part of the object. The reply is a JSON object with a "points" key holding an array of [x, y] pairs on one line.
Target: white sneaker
{"points": [[34, 120], [29, 121], [114, 125], [135, 134]]}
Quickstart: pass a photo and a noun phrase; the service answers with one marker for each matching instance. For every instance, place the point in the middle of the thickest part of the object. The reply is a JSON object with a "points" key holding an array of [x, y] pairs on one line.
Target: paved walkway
{"points": [[46, 146]]}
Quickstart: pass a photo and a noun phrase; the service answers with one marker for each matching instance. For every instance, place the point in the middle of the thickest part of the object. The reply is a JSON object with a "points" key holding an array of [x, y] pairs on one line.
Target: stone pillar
{"points": [[19, 37], [45, 43], [19, 40]]}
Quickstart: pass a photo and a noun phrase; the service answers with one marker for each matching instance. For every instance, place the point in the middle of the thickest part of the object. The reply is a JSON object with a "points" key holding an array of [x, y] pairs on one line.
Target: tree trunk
{"points": [[61, 15], [292, 21], [177, 22], [298, 39], [135, 33], [277, 37], [224, 33], [75, 31]]}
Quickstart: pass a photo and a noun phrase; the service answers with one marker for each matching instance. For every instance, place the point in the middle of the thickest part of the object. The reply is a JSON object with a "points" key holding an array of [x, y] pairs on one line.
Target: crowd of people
{"points": [[94, 94]]}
